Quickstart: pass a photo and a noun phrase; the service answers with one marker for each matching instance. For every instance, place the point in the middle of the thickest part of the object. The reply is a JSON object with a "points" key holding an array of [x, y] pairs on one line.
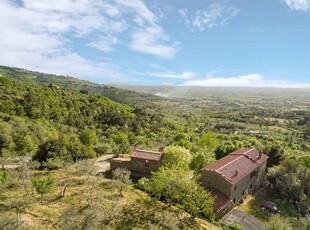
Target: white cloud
{"points": [[250, 80], [40, 35], [303, 5], [35, 36], [138, 7], [74, 65], [105, 43], [80, 17], [183, 75], [183, 12], [148, 36], [215, 15], [152, 40]]}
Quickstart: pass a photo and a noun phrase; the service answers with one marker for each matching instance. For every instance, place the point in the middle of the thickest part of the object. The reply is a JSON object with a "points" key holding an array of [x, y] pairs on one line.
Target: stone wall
{"points": [[249, 183], [120, 163], [144, 166], [213, 179], [243, 187]]}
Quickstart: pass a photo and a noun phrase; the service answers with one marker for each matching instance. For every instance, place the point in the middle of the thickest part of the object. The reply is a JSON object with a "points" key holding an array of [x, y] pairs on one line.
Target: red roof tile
{"points": [[221, 201], [238, 164], [223, 161], [147, 155]]}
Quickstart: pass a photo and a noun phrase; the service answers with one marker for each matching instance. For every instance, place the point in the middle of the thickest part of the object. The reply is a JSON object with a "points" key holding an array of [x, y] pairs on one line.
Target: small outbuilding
{"points": [[141, 163]]}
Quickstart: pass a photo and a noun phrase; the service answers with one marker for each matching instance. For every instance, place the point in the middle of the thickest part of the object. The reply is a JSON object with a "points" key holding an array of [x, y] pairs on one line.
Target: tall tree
{"points": [[209, 142], [174, 186], [275, 153], [176, 156], [200, 160], [88, 137]]}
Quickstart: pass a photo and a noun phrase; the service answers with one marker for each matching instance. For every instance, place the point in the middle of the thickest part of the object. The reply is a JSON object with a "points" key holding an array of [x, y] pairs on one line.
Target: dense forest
{"points": [[80, 125], [57, 126], [123, 96]]}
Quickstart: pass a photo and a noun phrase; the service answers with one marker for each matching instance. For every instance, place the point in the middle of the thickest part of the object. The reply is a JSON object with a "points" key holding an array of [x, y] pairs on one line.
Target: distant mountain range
{"points": [[194, 92], [124, 96], [148, 96]]}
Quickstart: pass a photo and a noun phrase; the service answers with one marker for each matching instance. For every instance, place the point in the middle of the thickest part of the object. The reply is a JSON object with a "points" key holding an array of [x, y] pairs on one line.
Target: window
{"points": [[147, 163], [235, 200], [235, 187], [243, 193], [251, 186]]}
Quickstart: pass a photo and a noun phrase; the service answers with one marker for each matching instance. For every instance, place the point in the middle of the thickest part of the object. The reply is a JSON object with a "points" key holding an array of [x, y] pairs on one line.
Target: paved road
{"points": [[247, 221]]}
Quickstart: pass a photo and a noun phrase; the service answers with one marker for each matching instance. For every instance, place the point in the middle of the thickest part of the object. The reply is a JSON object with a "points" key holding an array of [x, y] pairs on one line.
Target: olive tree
{"points": [[42, 185], [121, 179]]}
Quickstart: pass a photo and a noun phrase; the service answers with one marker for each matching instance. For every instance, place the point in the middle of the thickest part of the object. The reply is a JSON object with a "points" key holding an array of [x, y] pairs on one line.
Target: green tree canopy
{"points": [[88, 137], [175, 187], [4, 176], [176, 156], [200, 160], [209, 141], [42, 185], [276, 222], [121, 179]]}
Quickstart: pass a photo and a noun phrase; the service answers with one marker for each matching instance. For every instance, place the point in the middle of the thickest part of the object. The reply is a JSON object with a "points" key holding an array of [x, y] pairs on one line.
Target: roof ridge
{"points": [[229, 163], [147, 151]]}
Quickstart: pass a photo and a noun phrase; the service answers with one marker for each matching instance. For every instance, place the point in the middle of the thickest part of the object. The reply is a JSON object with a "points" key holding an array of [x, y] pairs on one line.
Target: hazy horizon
{"points": [[190, 43]]}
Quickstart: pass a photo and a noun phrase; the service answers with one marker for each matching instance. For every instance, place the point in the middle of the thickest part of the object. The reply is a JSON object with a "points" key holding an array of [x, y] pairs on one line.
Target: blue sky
{"points": [[182, 42]]}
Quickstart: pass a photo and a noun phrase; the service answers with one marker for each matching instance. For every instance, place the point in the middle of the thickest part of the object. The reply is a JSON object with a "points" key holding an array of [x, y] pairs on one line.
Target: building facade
{"points": [[141, 163], [232, 177]]}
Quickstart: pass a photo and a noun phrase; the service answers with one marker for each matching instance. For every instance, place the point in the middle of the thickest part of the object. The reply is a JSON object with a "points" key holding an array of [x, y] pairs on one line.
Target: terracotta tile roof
{"points": [[221, 201], [238, 164], [254, 155], [147, 155], [223, 161]]}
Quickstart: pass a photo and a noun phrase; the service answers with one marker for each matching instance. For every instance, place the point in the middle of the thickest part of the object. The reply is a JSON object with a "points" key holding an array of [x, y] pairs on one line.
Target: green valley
{"points": [[55, 128]]}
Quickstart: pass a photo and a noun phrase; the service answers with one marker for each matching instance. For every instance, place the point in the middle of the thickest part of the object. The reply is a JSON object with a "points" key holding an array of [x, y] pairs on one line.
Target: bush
{"points": [[235, 227]]}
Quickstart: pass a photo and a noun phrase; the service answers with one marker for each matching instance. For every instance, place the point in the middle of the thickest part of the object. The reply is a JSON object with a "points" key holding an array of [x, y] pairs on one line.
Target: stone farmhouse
{"points": [[141, 163], [232, 177]]}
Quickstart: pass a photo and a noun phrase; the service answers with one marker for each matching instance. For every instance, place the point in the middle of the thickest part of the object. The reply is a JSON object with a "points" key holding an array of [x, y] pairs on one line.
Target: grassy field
{"points": [[134, 210], [253, 205]]}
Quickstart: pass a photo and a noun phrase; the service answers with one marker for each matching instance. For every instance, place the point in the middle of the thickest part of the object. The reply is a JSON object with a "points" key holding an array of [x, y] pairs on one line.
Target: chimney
{"points": [[260, 154], [236, 173]]}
